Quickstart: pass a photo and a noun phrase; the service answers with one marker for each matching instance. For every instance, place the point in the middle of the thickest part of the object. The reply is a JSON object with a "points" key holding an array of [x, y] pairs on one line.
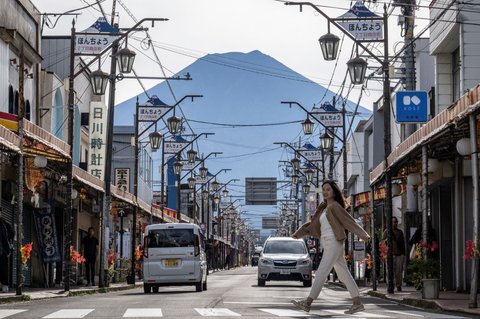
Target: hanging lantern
{"points": [[306, 188], [216, 199], [225, 192], [432, 165], [295, 179], [203, 171], [357, 67], [155, 140], [173, 124], [329, 44], [205, 194], [396, 188], [215, 185], [192, 155], [326, 140], [413, 179], [99, 80], [308, 175], [40, 161], [191, 182], [125, 58], [177, 167], [307, 126], [295, 163]]}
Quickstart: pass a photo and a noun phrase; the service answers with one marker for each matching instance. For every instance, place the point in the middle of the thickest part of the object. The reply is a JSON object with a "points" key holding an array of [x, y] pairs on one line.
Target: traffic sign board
{"points": [[329, 118], [412, 106]]}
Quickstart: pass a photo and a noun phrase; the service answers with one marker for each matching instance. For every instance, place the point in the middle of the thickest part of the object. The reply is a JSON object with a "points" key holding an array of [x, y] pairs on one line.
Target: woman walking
{"points": [[329, 224]]}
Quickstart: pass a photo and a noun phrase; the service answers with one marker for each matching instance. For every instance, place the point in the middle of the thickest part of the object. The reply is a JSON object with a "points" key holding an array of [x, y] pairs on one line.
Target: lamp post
{"points": [[357, 68]]}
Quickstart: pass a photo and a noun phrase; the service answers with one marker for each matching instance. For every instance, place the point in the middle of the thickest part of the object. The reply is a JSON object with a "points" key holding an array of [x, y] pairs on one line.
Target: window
{"points": [[166, 238], [284, 247], [28, 111], [456, 64], [11, 100]]}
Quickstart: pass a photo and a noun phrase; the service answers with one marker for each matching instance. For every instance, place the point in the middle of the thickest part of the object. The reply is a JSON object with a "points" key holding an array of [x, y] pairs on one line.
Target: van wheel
{"points": [[205, 285], [307, 283], [261, 283], [155, 289], [199, 286], [147, 288]]}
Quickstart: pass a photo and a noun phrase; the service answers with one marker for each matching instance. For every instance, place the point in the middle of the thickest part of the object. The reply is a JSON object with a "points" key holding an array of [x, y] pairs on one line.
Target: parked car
{"points": [[174, 255], [285, 258], [255, 258]]}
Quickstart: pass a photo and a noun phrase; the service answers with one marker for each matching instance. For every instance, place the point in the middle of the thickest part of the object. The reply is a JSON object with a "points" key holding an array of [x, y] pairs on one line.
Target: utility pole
{"points": [[409, 55]]}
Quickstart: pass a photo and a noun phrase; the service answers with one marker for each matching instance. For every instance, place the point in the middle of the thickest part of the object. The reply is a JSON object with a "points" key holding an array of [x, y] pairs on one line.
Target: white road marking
{"points": [[216, 312], [361, 314], [70, 313], [143, 312], [406, 313], [4, 313], [424, 314], [285, 312], [257, 303]]}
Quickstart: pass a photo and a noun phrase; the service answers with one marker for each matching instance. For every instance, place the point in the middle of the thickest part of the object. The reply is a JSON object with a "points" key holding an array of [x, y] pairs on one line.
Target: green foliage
{"points": [[420, 268]]}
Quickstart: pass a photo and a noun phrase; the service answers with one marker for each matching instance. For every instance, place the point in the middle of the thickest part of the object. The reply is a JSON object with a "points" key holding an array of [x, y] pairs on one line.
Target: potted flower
{"points": [[424, 271]]}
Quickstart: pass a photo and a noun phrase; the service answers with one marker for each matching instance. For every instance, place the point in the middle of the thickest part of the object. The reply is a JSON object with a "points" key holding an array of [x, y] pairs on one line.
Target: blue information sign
{"points": [[412, 106]]}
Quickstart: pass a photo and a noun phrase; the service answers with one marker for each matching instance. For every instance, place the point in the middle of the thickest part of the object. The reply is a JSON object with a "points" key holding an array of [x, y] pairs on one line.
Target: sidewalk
{"points": [[447, 301], [46, 293]]}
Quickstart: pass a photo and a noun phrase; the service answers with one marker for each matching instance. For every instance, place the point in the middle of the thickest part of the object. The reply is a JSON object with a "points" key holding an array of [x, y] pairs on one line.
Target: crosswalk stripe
{"points": [[360, 314], [285, 312], [4, 313], [69, 313], [143, 312], [424, 314], [216, 312]]}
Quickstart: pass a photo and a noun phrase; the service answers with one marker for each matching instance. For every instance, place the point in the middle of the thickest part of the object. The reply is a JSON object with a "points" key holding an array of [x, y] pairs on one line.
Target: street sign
{"points": [[172, 147], [311, 155], [329, 119], [88, 43], [151, 113], [187, 166], [200, 180], [260, 191], [412, 106], [362, 23]]}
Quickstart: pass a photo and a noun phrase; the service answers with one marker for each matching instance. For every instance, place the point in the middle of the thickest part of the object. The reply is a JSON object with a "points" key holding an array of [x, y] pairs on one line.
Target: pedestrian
{"points": [[90, 244], [329, 224], [6, 249], [398, 242], [227, 262]]}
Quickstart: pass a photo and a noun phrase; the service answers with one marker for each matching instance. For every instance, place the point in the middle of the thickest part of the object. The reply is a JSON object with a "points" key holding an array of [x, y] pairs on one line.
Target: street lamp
{"points": [[216, 199], [155, 140], [309, 175], [205, 194], [295, 163], [295, 179], [99, 80], [173, 124], [329, 44], [225, 192], [357, 67], [125, 60], [326, 140], [191, 155], [215, 185], [191, 182], [307, 126], [177, 167], [306, 188], [203, 171]]}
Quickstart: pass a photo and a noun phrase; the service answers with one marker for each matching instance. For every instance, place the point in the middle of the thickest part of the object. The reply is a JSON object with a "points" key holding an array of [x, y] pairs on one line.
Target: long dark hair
{"points": [[338, 193]]}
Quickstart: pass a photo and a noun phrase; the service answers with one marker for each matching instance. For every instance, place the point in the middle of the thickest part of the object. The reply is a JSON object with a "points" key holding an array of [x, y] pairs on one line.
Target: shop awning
{"points": [[379, 194], [48, 145], [122, 195], [463, 107], [9, 139], [144, 205], [88, 179]]}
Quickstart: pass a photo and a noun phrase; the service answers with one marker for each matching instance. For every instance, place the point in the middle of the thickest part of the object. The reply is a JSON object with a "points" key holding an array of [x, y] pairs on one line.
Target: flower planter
{"points": [[431, 288]]}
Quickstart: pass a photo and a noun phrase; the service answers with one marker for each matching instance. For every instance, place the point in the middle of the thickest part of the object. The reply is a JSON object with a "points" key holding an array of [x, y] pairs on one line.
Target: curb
{"points": [[421, 303], [29, 296]]}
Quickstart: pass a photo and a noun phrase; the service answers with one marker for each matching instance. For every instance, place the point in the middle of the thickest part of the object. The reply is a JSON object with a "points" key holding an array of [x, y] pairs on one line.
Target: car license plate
{"points": [[284, 271], [171, 263]]}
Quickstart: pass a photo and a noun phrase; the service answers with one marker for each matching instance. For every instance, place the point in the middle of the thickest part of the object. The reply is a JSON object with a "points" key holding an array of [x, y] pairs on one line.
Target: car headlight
{"points": [[266, 261], [306, 261]]}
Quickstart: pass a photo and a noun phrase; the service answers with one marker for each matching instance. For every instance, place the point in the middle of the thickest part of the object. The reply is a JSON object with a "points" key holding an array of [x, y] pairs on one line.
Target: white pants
{"points": [[333, 257]]}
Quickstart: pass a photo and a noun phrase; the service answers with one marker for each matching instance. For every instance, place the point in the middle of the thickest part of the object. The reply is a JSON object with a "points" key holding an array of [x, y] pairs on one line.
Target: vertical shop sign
{"points": [[47, 235], [122, 179], [97, 139]]}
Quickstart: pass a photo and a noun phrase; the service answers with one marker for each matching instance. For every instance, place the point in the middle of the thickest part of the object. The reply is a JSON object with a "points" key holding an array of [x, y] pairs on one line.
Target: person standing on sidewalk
{"points": [[398, 252], [329, 224], [6, 248], [90, 244]]}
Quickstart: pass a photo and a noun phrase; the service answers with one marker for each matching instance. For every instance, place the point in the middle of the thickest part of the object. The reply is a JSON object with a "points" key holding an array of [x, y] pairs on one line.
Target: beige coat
{"points": [[339, 219]]}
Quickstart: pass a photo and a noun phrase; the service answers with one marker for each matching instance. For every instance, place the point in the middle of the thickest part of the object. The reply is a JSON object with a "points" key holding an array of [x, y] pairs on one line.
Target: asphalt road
{"points": [[231, 293]]}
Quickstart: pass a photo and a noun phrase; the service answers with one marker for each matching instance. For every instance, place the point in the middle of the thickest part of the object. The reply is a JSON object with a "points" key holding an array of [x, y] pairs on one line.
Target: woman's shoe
{"points": [[301, 304], [354, 309]]}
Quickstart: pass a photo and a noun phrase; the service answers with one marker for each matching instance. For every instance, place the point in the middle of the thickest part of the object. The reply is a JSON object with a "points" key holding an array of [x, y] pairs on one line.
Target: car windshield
{"points": [[284, 247], [163, 238]]}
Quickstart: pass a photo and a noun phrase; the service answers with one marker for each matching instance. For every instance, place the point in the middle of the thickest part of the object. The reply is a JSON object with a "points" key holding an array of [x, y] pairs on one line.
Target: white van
{"points": [[174, 255]]}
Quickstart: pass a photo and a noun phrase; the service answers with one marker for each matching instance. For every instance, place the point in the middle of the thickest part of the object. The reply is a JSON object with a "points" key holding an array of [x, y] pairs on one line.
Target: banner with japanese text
{"points": [[47, 235]]}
